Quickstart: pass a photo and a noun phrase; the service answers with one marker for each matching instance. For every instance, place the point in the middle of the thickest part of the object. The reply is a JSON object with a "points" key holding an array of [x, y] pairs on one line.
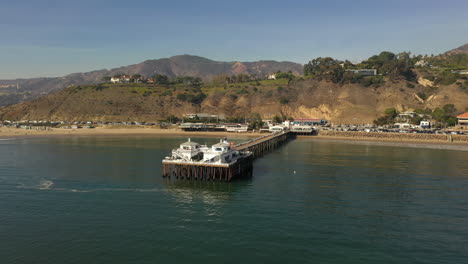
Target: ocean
{"points": [[103, 200]]}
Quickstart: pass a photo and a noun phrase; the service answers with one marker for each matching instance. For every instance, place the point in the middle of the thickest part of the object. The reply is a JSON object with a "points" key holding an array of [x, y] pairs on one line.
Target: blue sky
{"points": [[54, 38]]}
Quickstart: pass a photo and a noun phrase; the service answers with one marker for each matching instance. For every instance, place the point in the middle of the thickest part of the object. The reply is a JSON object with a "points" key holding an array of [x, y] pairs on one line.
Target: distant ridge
{"points": [[460, 50], [15, 91]]}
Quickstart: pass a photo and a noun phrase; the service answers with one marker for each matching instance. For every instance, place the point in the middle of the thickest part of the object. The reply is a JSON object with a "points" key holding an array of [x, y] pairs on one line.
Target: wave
{"points": [[45, 185], [49, 185]]}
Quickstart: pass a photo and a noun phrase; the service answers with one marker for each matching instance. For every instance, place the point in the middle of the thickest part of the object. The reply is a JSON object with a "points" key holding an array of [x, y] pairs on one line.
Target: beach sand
{"points": [[18, 133], [393, 142], [6, 132]]}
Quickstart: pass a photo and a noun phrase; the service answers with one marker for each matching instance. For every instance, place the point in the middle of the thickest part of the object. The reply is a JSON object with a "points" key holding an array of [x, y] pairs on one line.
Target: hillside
{"points": [[14, 91], [460, 50], [302, 98]]}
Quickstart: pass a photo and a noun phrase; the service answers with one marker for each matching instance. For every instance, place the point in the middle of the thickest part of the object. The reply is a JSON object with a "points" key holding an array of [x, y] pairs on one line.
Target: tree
{"points": [[416, 120], [326, 68], [451, 121], [447, 78], [161, 79], [182, 97], [106, 78], [391, 112], [445, 115], [255, 121], [277, 119], [388, 118], [221, 79], [284, 75], [172, 119], [450, 109], [438, 114], [283, 100]]}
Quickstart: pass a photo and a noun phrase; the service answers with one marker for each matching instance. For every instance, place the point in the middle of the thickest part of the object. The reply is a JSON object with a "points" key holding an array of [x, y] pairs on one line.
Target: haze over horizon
{"points": [[55, 38]]}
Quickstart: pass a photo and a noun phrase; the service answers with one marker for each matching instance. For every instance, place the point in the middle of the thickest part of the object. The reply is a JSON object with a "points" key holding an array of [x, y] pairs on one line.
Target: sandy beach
{"points": [[18, 133], [397, 143], [6, 132]]}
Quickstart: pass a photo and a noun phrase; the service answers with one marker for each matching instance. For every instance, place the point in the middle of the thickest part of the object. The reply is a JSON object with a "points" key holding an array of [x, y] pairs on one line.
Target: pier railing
{"points": [[264, 144]]}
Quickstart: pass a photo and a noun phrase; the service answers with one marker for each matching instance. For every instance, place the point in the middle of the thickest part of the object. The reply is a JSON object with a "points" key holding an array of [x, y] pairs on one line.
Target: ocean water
{"points": [[103, 200]]}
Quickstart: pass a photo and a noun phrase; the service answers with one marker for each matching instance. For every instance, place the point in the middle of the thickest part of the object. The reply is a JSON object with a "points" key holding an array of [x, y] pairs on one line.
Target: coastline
{"points": [[16, 133], [379, 139], [395, 143]]}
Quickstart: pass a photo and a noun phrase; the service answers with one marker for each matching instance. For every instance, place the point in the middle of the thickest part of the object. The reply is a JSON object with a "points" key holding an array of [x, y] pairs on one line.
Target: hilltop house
{"points": [[271, 76], [115, 80], [121, 79], [461, 72], [128, 79], [422, 63], [363, 72]]}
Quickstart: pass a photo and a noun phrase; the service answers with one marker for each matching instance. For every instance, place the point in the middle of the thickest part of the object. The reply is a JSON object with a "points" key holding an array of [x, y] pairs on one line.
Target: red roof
{"points": [[465, 115]]}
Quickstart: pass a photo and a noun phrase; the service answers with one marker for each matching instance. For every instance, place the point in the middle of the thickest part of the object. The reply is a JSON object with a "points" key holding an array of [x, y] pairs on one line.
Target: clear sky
{"points": [[57, 37]]}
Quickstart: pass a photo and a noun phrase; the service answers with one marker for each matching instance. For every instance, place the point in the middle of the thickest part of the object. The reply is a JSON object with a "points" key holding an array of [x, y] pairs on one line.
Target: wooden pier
{"points": [[265, 144], [226, 172]]}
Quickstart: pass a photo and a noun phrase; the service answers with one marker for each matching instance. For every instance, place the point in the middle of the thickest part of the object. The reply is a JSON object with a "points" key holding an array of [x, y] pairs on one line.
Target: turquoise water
{"points": [[103, 200]]}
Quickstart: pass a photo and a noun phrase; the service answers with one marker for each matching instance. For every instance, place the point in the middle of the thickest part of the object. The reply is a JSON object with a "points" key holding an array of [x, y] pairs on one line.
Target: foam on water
{"points": [[49, 185], [45, 185]]}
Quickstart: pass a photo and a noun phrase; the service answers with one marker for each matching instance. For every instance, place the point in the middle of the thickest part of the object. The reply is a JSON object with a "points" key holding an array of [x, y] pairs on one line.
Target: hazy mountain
{"points": [[460, 50], [14, 91]]}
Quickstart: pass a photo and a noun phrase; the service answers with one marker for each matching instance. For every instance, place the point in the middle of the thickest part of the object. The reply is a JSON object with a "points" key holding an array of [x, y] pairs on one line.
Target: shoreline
{"points": [[368, 139], [395, 143], [16, 133]]}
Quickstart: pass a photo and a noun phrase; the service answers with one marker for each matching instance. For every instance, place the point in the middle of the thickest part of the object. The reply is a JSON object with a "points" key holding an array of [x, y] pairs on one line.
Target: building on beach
{"points": [[310, 122], [205, 116], [463, 120]]}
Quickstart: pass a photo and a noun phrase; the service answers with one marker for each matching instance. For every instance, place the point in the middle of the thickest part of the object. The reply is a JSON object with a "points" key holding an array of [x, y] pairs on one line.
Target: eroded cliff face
{"points": [[352, 104]]}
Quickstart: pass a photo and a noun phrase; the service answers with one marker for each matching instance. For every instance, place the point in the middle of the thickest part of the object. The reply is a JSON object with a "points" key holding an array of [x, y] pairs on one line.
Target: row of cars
{"points": [[392, 130]]}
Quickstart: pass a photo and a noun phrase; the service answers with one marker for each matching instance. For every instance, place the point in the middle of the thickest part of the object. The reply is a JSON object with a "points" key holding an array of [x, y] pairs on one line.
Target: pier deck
{"points": [[265, 144]]}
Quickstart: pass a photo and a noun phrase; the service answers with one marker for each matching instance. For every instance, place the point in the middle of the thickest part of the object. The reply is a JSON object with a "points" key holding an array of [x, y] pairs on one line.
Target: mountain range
{"points": [[15, 91], [351, 99]]}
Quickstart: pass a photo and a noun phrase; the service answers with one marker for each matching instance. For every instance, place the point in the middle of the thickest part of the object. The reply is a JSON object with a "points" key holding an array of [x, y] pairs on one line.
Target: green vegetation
{"points": [[446, 116], [447, 78], [283, 100], [277, 119], [452, 62], [388, 118], [327, 69], [389, 66]]}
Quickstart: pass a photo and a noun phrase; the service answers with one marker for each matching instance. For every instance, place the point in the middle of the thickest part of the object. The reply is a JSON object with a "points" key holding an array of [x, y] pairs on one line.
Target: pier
{"points": [[242, 168], [265, 144]]}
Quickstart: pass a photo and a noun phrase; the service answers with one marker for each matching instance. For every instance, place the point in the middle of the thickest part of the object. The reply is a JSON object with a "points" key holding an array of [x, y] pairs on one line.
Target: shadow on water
{"points": [[212, 191]]}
